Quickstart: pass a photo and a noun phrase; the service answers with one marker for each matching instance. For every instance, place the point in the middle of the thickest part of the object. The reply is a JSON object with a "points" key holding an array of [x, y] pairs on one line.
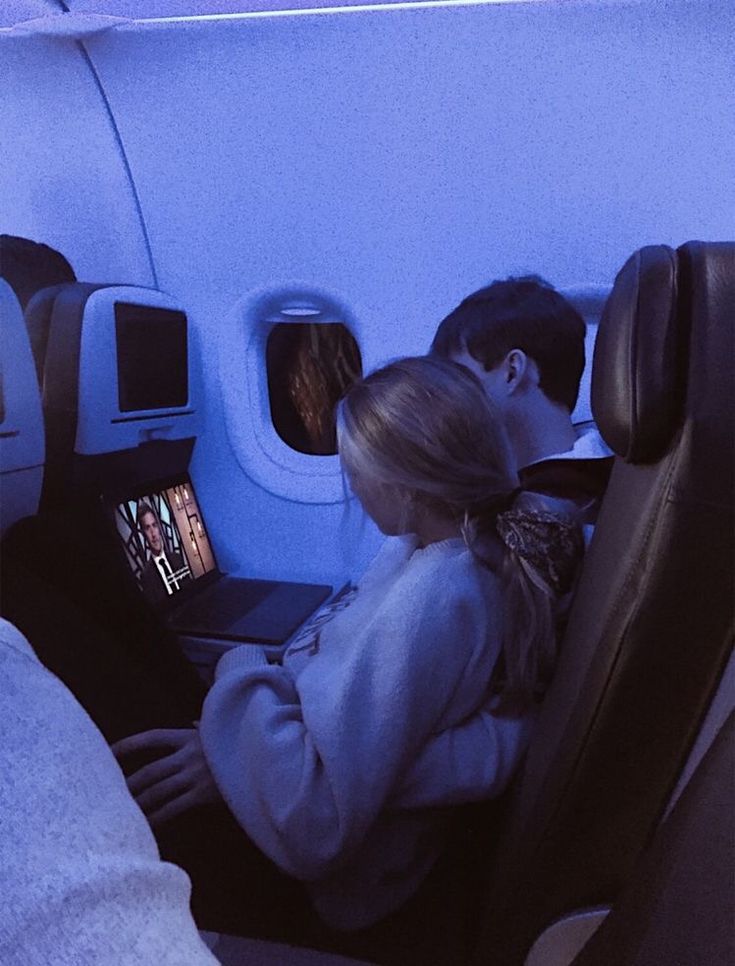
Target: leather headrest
{"points": [[639, 368]]}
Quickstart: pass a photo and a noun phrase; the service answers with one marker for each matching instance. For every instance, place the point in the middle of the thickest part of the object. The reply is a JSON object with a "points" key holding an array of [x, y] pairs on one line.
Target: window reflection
{"points": [[310, 365]]}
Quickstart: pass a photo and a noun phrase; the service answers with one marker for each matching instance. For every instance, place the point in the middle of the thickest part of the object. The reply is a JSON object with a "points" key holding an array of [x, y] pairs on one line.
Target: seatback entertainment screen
{"points": [[152, 360]]}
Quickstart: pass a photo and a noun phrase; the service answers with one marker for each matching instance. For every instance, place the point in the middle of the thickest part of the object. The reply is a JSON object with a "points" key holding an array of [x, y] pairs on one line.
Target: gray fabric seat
{"points": [[22, 445]]}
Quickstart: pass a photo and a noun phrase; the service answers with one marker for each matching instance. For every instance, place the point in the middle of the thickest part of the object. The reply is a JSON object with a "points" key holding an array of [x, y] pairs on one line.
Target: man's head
{"points": [[29, 266], [516, 328], [150, 527]]}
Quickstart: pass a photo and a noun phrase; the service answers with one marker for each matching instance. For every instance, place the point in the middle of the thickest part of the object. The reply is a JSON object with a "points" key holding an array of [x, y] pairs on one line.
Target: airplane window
{"points": [[309, 366], [288, 355]]}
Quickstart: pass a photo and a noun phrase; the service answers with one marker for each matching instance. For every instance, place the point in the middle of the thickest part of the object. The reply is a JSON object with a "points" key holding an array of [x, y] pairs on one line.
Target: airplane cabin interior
{"points": [[219, 218]]}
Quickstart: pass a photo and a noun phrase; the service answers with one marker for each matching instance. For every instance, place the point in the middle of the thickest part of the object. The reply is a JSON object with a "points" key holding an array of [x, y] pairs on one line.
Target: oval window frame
{"points": [[263, 456]]}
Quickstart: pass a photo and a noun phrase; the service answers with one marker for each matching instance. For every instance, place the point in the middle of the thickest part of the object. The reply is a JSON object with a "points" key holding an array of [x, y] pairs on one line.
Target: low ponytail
{"points": [[535, 546], [427, 426]]}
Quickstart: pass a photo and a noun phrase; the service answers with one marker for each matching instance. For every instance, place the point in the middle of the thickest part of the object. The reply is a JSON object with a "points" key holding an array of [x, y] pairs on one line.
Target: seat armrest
{"points": [[560, 942]]}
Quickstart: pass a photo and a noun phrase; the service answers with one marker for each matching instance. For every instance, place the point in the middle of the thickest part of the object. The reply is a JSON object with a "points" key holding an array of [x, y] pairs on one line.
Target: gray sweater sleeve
{"points": [[308, 763], [471, 761]]}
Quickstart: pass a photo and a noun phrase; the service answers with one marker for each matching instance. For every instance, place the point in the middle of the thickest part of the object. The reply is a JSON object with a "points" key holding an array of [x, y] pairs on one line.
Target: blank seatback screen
{"points": [[152, 367]]}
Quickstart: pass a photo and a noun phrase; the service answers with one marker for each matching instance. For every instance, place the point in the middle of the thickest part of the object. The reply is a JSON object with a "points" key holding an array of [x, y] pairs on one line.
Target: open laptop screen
{"points": [[165, 539]]}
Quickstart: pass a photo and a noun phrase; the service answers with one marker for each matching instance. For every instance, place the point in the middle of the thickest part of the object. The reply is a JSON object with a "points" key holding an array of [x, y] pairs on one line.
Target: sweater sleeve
{"points": [[306, 765], [471, 761], [82, 881]]}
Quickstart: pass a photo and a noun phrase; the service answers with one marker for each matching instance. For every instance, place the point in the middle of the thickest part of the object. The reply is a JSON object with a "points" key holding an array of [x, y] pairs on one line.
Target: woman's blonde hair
{"points": [[427, 427]]}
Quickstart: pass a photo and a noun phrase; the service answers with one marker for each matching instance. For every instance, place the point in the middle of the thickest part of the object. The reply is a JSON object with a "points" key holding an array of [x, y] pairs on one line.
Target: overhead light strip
{"points": [[78, 26], [326, 11]]}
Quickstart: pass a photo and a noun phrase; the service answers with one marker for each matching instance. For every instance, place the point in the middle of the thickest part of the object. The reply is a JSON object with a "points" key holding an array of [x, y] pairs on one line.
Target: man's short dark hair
{"points": [[142, 510], [28, 266], [520, 313]]}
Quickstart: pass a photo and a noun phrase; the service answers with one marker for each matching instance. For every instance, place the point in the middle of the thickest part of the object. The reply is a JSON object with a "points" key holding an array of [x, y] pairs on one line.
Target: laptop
{"points": [[164, 537]]}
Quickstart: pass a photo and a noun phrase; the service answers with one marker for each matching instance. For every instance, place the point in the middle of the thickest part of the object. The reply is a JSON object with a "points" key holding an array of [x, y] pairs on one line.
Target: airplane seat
{"points": [[31, 598], [25, 267], [36, 273], [44, 577], [125, 673], [650, 629], [89, 623], [22, 448], [50, 590], [678, 905], [136, 678], [38, 314]]}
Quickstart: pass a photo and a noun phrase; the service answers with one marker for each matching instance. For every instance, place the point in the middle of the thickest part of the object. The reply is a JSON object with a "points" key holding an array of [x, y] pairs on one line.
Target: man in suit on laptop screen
{"points": [[165, 571]]}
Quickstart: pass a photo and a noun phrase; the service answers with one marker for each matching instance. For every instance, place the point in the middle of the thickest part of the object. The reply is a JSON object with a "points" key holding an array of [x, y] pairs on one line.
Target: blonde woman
{"points": [[416, 688]]}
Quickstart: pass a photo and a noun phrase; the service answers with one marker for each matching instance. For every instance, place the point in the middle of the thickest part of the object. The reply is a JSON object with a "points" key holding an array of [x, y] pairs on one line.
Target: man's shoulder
{"points": [[589, 445], [580, 475]]}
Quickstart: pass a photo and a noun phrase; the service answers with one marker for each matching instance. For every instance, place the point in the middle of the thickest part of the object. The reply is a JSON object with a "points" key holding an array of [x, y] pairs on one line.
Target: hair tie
{"points": [[553, 547]]}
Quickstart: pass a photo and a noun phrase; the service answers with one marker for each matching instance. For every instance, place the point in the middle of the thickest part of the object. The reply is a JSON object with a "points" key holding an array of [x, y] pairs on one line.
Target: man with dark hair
{"points": [[165, 570], [525, 343], [29, 266]]}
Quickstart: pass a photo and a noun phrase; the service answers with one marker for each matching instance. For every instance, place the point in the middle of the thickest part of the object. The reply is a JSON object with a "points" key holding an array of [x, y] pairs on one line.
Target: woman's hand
{"points": [[173, 783]]}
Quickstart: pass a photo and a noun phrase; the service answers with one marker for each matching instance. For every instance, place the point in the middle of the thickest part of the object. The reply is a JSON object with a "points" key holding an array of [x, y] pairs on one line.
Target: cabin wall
{"points": [[396, 160], [63, 179]]}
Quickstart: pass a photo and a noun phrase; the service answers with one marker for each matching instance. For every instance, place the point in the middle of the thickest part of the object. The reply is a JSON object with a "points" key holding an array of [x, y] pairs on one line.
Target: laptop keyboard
{"points": [[224, 602]]}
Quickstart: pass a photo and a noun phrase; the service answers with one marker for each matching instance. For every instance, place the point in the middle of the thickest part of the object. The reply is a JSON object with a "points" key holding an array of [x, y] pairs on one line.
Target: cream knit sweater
{"points": [[324, 759]]}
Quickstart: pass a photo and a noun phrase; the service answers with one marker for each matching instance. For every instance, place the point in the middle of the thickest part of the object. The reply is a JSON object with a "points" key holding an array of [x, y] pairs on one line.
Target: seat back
{"points": [[88, 367], [86, 619], [651, 625], [22, 446], [38, 314], [678, 906], [85, 616]]}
